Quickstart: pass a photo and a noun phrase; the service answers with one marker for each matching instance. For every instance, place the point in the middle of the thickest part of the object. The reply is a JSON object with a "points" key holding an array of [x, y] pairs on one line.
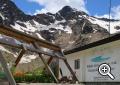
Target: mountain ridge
{"points": [[68, 28]]}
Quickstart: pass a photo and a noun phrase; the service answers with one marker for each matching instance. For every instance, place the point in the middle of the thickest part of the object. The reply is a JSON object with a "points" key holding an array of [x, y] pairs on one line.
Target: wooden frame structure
{"points": [[35, 45]]}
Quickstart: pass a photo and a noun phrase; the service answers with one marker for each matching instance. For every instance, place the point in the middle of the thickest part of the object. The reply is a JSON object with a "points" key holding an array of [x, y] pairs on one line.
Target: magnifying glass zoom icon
{"points": [[105, 69], [111, 76]]}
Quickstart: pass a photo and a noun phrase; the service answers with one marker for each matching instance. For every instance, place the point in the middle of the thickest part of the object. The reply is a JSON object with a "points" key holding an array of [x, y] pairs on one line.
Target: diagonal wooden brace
{"points": [[57, 56], [43, 60], [7, 70], [22, 52], [48, 67], [69, 67], [57, 68], [49, 60]]}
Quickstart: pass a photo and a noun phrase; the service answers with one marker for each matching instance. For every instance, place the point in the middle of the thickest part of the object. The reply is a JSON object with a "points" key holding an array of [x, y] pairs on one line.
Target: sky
{"points": [[98, 8]]}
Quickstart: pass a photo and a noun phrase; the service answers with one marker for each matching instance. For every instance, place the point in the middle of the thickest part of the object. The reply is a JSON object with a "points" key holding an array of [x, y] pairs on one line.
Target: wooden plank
{"points": [[27, 38], [22, 52], [6, 70], [46, 65]]}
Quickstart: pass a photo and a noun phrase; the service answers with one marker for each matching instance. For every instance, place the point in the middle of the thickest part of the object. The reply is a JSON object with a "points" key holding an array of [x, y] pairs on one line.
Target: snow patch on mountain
{"points": [[105, 24], [27, 27], [28, 58], [24, 59], [35, 26], [39, 36], [18, 27], [2, 16], [63, 28]]}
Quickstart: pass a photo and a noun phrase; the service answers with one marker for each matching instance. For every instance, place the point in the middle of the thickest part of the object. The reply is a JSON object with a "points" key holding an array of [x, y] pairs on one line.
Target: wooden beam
{"points": [[22, 52], [46, 65], [6, 70], [29, 48], [27, 38]]}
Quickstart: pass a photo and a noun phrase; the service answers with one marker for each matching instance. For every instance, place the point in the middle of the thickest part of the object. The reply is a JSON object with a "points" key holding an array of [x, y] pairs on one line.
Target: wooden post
{"points": [[22, 52], [43, 60], [6, 70]]}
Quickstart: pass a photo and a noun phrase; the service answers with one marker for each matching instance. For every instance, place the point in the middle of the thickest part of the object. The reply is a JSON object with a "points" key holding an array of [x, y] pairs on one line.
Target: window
{"points": [[77, 64]]}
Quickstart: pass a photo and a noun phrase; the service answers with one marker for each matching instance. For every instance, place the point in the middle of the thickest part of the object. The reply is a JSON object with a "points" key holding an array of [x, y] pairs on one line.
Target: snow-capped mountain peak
{"points": [[67, 28]]}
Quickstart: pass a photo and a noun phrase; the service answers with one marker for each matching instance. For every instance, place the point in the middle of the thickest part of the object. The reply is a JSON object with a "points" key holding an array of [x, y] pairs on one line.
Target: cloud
{"points": [[104, 16], [115, 13], [55, 5]]}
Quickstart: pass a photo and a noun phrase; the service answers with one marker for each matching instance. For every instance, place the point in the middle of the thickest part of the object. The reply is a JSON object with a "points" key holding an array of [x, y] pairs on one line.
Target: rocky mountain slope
{"points": [[67, 28]]}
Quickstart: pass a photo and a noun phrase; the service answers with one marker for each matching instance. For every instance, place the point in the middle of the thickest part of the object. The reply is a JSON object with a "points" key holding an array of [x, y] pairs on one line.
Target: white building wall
{"points": [[91, 58]]}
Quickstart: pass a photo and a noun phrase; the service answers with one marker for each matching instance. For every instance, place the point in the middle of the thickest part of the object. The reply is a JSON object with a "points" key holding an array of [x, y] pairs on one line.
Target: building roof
{"points": [[112, 38]]}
